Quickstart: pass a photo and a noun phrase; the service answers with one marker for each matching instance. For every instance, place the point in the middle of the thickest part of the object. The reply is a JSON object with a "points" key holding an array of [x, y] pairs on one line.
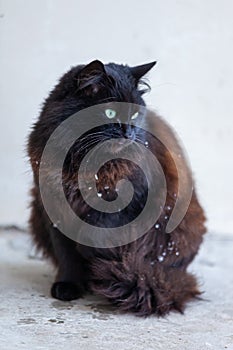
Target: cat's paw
{"points": [[66, 291]]}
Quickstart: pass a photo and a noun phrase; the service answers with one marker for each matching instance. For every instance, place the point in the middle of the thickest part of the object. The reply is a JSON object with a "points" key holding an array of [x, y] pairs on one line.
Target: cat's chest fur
{"points": [[107, 185]]}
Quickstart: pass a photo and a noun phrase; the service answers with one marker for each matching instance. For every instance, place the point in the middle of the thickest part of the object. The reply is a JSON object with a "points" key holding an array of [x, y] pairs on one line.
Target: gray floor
{"points": [[31, 319]]}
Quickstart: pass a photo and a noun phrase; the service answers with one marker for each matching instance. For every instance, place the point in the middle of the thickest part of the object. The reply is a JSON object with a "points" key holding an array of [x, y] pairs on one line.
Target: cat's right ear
{"points": [[89, 77]]}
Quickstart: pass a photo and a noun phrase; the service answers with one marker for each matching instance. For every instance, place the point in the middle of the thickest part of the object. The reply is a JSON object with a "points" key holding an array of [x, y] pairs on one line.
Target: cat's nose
{"points": [[128, 131]]}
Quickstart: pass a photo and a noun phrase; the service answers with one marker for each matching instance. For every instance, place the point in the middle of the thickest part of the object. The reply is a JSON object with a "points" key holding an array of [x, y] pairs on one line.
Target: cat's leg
{"points": [[71, 279], [72, 270], [39, 228]]}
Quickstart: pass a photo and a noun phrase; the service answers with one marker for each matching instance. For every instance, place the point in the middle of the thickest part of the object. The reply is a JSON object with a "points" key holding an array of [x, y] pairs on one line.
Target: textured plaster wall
{"points": [[192, 84]]}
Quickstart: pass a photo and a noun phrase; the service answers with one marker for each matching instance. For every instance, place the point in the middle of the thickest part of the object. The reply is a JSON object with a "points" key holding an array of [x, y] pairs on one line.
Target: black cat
{"points": [[149, 274]]}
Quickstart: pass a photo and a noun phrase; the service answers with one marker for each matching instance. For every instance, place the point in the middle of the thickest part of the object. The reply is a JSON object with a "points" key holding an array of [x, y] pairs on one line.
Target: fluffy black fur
{"points": [[134, 276]]}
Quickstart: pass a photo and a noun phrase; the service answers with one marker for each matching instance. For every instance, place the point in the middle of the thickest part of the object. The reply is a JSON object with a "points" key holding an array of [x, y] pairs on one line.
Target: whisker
{"points": [[93, 140], [90, 135], [88, 144]]}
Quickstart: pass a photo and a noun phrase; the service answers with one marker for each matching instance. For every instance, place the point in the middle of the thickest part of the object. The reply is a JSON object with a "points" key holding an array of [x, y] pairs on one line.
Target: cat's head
{"points": [[97, 83], [106, 86], [113, 83]]}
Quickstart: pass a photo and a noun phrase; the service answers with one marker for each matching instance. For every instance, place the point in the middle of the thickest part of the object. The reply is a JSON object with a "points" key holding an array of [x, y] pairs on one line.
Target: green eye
{"points": [[135, 115], [110, 113]]}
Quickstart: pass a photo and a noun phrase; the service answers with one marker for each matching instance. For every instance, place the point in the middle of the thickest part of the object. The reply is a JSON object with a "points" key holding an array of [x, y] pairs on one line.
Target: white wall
{"points": [[192, 86]]}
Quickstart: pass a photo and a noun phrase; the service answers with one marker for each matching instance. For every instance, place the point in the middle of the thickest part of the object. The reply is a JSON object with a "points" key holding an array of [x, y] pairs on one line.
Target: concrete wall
{"points": [[192, 86]]}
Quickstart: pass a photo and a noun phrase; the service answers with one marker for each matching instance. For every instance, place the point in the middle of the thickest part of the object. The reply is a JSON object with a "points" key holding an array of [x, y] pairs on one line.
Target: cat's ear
{"points": [[139, 71], [89, 76], [93, 67]]}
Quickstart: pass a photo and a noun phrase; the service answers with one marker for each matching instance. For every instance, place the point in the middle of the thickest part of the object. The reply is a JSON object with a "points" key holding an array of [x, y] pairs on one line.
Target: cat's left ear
{"points": [[139, 71], [90, 75]]}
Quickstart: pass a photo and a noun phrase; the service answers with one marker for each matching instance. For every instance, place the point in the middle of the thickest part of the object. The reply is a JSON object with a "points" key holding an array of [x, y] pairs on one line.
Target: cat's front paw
{"points": [[66, 291]]}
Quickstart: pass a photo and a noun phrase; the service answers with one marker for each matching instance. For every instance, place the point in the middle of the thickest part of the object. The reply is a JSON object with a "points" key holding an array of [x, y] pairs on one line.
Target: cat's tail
{"points": [[142, 287]]}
